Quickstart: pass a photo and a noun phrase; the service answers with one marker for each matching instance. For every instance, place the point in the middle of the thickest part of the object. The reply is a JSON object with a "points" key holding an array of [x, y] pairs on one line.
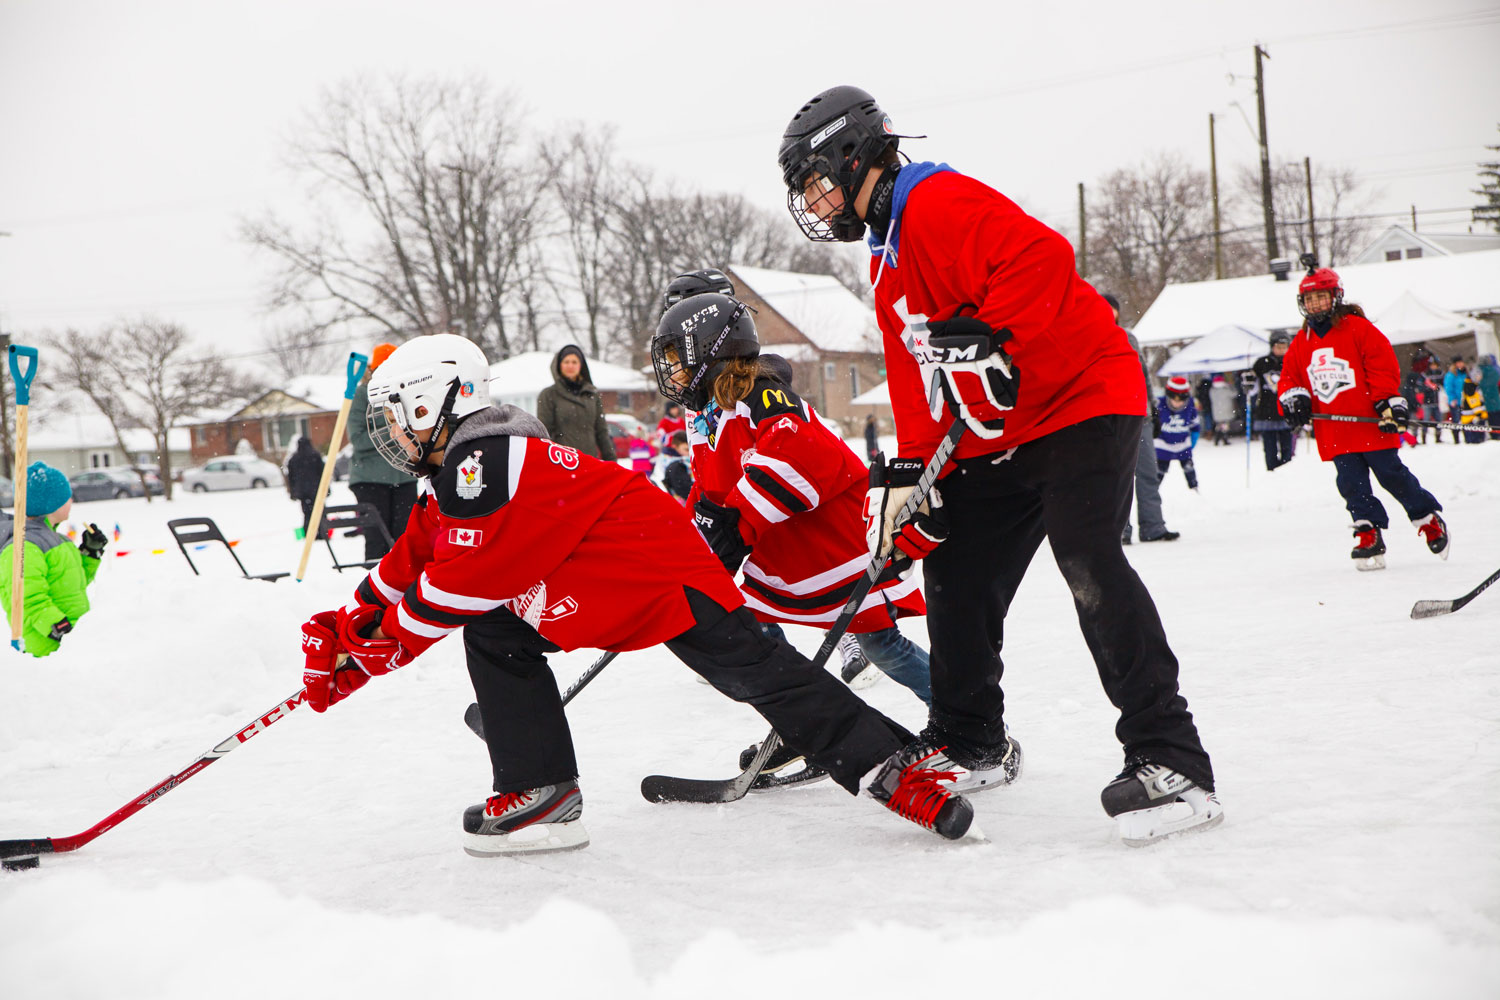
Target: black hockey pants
{"points": [[1072, 487], [530, 744]]}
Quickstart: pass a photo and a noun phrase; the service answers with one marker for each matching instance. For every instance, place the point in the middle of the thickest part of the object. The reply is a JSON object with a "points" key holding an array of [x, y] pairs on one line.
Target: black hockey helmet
{"points": [[1281, 337], [694, 339], [838, 136], [708, 279]]}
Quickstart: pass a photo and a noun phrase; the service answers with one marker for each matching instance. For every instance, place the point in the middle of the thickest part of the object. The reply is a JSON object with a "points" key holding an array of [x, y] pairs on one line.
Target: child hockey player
{"points": [[530, 547], [56, 573], [1177, 428], [1340, 364], [1275, 436], [677, 477], [778, 492]]}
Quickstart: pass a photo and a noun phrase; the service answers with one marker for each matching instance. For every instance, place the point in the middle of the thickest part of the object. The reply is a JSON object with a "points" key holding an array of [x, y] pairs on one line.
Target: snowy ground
{"points": [[1356, 751]]}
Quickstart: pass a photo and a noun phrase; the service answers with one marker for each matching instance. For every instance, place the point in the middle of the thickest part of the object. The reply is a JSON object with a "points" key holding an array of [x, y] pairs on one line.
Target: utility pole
{"points": [[1312, 220], [1083, 237], [1265, 156], [1213, 180], [1414, 218]]}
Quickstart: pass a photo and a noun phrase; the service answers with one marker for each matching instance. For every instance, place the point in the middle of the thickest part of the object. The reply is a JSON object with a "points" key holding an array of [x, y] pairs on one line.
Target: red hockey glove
{"points": [[1392, 413], [974, 378], [891, 483], [374, 656], [328, 676]]}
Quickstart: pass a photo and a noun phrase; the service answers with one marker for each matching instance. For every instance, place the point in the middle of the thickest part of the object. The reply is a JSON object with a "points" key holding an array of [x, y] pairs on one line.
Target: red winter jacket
{"points": [[799, 490], [960, 243], [584, 551], [1343, 371]]}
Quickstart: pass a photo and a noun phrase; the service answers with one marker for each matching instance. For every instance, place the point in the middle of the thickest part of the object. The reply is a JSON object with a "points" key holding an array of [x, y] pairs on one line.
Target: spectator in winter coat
{"points": [[1453, 389], [1487, 377], [1472, 411], [872, 439], [304, 472], [372, 479], [672, 422], [1177, 426], [1147, 479], [641, 454], [1275, 436], [1419, 394], [571, 409], [1221, 401], [56, 573]]}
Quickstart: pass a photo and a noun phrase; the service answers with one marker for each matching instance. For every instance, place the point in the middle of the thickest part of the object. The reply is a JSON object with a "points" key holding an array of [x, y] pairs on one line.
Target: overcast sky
{"points": [[137, 135]]}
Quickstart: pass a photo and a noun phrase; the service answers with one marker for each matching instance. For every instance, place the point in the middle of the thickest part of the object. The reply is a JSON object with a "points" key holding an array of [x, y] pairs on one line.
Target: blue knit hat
{"points": [[47, 489]]}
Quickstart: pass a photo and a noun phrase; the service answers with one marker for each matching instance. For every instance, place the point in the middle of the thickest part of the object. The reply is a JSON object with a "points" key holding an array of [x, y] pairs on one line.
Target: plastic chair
{"points": [[192, 530], [358, 515]]}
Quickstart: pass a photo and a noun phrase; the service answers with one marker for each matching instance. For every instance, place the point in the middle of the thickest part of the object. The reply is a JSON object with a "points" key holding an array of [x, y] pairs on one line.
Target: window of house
{"points": [[99, 460], [853, 381], [1413, 253], [200, 435], [1393, 255], [830, 372], [624, 401]]}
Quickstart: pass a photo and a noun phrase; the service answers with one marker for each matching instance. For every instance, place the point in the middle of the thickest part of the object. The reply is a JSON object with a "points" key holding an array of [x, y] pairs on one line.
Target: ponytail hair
{"points": [[736, 376]]}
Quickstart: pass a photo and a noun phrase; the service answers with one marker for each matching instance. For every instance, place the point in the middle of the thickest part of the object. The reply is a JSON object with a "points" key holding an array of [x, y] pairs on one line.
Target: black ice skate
{"points": [[1369, 548], [1150, 802], [536, 821], [858, 672], [908, 786], [782, 769], [974, 769], [1434, 531]]}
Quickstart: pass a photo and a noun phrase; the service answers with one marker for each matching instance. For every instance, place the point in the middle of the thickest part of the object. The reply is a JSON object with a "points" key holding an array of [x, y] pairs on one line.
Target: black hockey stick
{"points": [[475, 723], [664, 788], [1432, 609], [1439, 424]]}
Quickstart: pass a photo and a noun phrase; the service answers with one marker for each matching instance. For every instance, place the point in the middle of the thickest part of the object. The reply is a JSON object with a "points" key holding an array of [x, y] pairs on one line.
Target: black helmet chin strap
{"points": [[444, 414], [713, 351]]}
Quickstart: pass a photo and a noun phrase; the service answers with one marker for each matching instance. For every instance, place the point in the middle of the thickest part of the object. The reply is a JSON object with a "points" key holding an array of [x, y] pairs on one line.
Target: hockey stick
{"points": [[475, 723], [664, 788], [1432, 609], [1440, 424], [24, 853]]}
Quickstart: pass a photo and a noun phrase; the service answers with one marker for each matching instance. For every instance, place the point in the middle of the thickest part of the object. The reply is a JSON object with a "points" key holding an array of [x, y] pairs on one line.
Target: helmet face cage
{"points": [[836, 147], [1321, 280], [387, 419], [677, 350]]}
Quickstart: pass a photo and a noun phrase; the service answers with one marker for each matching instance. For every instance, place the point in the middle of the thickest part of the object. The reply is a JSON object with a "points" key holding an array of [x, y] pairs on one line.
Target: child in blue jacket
{"points": [[1177, 427]]}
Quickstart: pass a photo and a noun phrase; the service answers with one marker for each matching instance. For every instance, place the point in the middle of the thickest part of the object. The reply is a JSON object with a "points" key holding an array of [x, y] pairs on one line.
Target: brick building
{"points": [[272, 422]]}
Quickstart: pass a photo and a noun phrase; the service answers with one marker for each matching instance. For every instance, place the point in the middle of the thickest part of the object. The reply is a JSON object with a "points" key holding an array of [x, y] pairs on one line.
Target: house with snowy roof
{"points": [[1398, 242], [271, 422], [826, 331], [78, 438]]}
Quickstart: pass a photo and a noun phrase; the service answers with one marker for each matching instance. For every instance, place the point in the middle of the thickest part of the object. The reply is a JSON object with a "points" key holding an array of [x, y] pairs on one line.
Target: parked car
{"points": [[622, 427], [233, 472], [113, 484]]}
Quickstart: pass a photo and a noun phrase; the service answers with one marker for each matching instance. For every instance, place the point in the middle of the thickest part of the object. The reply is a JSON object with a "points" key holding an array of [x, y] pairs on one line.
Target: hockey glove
{"points": [[328, 676], [974, 378], [891, 484], [1393, 414], [373, 656], [720, 527], [59, 630], [93, 542], [1296, 406]]}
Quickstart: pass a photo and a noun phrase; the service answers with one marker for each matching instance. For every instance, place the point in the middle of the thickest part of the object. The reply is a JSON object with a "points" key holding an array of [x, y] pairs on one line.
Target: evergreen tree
{"points": [[1489, 190]]}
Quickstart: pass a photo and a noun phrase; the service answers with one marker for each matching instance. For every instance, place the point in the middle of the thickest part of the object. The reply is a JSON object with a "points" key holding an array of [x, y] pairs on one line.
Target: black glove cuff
{"points": [[59, 630]]}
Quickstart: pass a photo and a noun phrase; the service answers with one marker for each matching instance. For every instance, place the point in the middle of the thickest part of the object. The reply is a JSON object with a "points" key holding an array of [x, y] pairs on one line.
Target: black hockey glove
{"points": [[720, 527], [1393, 414], [1155, 422], [93, 542], [59, 630], [974, 376], [1296, 406]]}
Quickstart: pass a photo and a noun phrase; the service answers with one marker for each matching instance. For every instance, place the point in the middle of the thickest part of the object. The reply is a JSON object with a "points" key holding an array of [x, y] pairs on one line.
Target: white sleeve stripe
{"points": [[386, 590], [458, 602], [811, 585], [418, 627], [788, 475], [762, 504], [513, 467]]}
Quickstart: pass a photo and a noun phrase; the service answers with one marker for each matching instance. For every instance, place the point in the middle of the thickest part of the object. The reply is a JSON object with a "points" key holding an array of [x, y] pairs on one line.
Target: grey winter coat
{"points": [[573, 413], [365, 463]]}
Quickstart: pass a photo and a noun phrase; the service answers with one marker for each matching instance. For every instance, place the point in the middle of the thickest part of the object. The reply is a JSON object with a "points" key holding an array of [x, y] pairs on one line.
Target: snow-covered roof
{"points": [[818, 305], [1411, 320], [88, 428], [531, 372], [1468, 283], [880, 395]]}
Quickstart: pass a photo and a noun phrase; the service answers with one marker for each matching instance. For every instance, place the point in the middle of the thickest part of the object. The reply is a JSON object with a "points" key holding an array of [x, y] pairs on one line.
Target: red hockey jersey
{"points": [[958, 243], [584, 551], [1344, 372], [799, 491]]}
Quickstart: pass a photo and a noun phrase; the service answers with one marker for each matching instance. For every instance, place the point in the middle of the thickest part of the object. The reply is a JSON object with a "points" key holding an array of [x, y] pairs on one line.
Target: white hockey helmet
{"points": [[426, 383]]}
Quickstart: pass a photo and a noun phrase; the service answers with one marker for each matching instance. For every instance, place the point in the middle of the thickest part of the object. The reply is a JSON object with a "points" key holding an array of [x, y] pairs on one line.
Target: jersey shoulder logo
{"points": [[470, 477], [1329, 374], [772, 399], [465, 536]]}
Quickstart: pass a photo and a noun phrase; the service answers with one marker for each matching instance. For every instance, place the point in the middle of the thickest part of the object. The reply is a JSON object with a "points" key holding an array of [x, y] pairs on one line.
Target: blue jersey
{"points": [[1179, 430]]}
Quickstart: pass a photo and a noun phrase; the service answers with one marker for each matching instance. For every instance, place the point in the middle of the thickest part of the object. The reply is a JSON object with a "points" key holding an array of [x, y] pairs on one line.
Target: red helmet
{"points": [[1322, 279], [1178, 386]]}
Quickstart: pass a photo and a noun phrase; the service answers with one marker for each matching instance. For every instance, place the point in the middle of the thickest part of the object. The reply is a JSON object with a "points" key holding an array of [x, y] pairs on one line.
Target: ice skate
{"points": [[908, 785], [973, 769], [1369, 548], [1151, 802], [785, 768], [536, 821], [858, 672], [1434, 531]]}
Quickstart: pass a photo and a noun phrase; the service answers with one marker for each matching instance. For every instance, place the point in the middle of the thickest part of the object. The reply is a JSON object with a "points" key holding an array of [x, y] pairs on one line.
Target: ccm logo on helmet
{"points": [[823, 134]]}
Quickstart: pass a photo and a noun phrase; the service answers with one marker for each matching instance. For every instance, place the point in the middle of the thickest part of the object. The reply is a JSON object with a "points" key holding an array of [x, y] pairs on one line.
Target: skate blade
{"points": [[995, 777], [540, 838], [865, 678], [1147, 826], [1373, 562]]}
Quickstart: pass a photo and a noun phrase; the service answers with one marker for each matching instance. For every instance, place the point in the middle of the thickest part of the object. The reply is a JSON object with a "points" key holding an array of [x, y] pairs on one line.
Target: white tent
{"points": [[1230, 348], [1411, 319]]}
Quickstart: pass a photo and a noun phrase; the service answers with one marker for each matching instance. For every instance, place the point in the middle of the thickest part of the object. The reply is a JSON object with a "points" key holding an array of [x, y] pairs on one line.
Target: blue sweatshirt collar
{"points": [[907, 178]]}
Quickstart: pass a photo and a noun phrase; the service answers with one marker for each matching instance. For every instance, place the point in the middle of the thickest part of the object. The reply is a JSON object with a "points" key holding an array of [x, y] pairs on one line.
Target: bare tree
{"points": [[144, 375], [302, 348], [584, 178], [430, 196], [1338, 194]]}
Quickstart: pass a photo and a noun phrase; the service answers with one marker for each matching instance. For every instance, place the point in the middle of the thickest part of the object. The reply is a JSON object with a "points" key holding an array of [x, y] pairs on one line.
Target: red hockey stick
{"points": [[24, 853]]}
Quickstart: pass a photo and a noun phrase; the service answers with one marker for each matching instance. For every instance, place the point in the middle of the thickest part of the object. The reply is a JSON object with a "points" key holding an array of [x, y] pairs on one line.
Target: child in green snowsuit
{"points": [[56, 573]]}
